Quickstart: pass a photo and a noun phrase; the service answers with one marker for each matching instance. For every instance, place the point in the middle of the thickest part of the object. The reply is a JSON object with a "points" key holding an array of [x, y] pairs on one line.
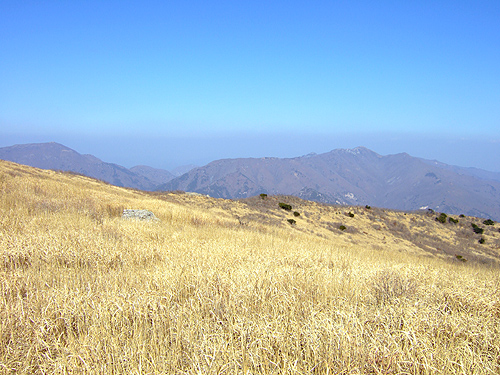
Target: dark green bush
{"points": [[342, 227], [442, 218], [263, 196], [350, 214], [285, 206], [291, 221], [481, 240], [461, 258], [489, 222], [367, 207], [461, 215], [452, 220], [476, 229], [295, 213]]}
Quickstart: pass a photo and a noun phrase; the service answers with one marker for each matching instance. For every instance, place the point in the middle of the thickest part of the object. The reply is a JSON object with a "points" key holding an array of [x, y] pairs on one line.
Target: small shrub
{"points": [[350, 214], [489, 222], [476, 229], [452, 220], [481, 240], [460, 258], [291, 221], [295, 213], [367, 207], [285, 206], [342, 227], [263, 196], [461, 215], [442, 218]]}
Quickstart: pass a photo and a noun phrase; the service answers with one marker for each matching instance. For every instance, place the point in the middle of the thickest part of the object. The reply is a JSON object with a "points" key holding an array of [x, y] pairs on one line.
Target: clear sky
{"points": [[167, 83]]}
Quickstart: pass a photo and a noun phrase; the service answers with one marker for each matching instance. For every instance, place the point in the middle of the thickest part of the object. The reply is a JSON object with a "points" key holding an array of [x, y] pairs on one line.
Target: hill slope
{"points": [[219, 286], [354, 177]]}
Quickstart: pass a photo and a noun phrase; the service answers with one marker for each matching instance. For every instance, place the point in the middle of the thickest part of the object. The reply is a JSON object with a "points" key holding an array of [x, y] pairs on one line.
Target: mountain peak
{"points": [[360, 150]]}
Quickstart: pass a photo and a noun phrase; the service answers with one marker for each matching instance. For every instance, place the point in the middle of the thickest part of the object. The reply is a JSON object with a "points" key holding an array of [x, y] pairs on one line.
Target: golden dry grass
{"points": [[228, 287]]}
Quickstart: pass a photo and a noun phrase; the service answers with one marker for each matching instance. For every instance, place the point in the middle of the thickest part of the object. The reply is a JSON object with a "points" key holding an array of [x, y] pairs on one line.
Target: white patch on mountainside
{"points": [[392, 180], [352, 151], [310, 155], [351, 196]]}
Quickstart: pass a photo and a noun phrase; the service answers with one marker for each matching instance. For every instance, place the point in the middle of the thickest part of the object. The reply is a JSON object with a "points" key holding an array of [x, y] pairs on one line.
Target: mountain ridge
{"points": [[357, 176], [53, 155]]}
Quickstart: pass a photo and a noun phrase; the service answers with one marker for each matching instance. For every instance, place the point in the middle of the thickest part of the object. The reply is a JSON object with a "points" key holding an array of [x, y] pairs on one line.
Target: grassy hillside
{"points": [[225, 287]]}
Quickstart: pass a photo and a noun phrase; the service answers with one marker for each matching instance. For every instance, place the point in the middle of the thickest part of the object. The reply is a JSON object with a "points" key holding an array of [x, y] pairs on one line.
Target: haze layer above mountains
{"points": [[353, 177]]}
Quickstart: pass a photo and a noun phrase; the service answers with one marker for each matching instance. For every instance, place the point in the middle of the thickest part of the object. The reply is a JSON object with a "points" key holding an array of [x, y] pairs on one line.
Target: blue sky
{"points": [[169, 83]]}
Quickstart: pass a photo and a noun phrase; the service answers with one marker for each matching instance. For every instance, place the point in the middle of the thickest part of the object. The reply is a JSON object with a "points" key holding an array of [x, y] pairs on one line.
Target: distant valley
{"points": [[356, 176]]}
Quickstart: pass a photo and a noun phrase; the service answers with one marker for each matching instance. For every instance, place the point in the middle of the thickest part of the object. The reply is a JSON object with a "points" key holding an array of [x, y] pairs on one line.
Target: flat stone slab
{"points": [[139, 215]]}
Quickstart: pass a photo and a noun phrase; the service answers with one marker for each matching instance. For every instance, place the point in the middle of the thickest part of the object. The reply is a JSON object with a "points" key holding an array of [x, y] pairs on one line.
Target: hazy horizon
{"points": [[171, 84]]}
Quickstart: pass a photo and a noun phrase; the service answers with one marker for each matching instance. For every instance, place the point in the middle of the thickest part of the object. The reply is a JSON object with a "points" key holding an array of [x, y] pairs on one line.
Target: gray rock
{"points": [[139, 215]]}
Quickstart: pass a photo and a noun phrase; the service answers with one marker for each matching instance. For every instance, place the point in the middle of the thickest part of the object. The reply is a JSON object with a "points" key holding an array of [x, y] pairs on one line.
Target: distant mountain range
{"points": [[344, 176], [59, 157], [352, 177]]}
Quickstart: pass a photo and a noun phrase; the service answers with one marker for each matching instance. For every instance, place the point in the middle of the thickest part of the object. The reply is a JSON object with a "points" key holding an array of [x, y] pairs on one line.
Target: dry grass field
{"points": [[232, 287]]}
